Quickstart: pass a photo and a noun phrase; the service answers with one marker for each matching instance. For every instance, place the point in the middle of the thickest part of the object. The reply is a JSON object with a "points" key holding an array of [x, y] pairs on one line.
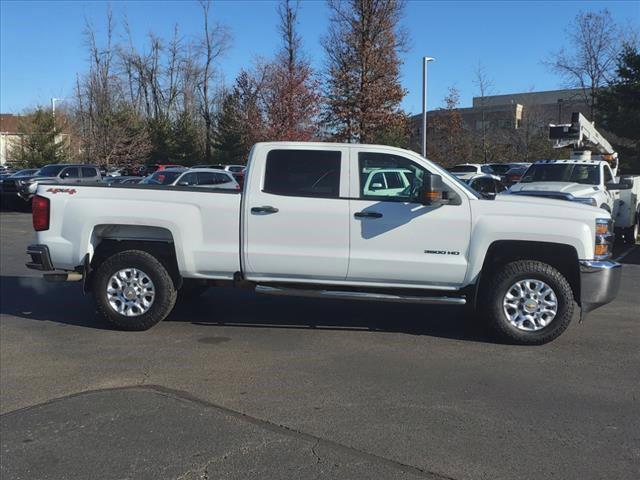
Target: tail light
{"points": [[40, 213]]}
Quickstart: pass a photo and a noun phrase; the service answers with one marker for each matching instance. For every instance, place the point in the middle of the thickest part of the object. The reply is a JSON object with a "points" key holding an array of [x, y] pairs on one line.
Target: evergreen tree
{"points": [[618, 106], [41, 142], [185, 140]]}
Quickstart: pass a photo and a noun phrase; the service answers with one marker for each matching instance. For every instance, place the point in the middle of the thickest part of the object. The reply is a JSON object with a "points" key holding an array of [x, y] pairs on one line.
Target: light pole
{"points": [[53, 104], [425, 60]]}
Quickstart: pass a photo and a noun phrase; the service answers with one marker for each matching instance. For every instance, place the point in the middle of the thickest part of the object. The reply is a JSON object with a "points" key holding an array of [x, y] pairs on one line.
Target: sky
{"points": [[42, 47]]}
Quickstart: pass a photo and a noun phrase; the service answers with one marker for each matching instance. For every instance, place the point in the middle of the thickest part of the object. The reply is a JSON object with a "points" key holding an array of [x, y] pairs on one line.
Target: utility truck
{"points": [[308, 223], [585, 177]]}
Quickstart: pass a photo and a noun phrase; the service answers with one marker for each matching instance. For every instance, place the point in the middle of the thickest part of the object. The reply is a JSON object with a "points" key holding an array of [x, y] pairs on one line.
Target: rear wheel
{"points": [[528, 302], [133, 290]]}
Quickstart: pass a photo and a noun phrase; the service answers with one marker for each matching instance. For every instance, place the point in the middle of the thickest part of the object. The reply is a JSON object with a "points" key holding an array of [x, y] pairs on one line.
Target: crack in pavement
{"points": [[183, 396]]}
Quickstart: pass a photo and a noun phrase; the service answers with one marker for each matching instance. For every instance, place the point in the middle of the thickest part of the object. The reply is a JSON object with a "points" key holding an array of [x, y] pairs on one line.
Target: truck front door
{"points": [[395, 241], [296, 225]]}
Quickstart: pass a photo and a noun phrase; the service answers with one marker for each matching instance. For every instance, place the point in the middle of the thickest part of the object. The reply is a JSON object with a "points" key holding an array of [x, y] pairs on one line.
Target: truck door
{"points": [[296, 225], [70, 175], [395, 241]]}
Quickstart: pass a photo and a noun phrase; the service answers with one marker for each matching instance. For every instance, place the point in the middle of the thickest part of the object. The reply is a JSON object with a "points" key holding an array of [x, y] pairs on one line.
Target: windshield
{"points": [[463, 169], [500, 168], [163, 177], [50, 170], [563, 172]]}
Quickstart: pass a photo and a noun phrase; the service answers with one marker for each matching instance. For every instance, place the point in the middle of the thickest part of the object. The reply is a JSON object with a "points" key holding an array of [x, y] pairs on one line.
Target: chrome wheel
{"points": [[130, 292], [530, 305]]}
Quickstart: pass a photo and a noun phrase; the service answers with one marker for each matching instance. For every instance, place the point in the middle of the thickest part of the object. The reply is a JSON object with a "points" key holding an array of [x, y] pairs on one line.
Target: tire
{"points": [[190, 290], [499, 285], [156, 307]]}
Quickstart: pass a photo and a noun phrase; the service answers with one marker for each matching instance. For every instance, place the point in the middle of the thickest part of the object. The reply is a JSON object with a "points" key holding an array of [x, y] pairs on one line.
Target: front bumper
{"points": [[40, 258], [599, 283]]}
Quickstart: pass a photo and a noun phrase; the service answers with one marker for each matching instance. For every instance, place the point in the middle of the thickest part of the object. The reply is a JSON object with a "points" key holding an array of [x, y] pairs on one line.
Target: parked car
{"points": [[501, 169], [486, 185], [64, 174], [145, 170], [166, 176], [207, 178], [515, 174], [305, 226], [465, 171], [228, 168], [387, 181], [122, 180]]}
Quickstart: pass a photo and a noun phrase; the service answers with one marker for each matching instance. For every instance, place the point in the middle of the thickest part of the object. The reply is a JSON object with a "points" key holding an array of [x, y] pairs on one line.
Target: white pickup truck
{"points": [[306, 226], [587, 181]]}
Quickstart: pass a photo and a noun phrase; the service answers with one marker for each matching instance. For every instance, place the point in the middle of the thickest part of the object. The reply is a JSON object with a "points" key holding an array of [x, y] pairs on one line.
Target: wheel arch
{"points": [[107, 240], [560, 256]]}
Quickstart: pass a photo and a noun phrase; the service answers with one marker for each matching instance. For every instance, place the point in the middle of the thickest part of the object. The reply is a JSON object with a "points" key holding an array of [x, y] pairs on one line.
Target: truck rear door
{"points": [[296, 214]]}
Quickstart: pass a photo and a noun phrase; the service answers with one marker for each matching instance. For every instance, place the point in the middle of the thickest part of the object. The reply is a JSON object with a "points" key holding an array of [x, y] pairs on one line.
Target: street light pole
{"points": [[425, 60]]}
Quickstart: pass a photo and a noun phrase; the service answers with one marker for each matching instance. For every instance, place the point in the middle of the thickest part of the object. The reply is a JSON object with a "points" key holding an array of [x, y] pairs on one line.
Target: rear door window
{"points": [[89, 172], [303, 173], [71, 172]]}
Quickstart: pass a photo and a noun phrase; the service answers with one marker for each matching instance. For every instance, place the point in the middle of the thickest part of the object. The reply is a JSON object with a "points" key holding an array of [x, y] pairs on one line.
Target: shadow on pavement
{"points": [[33, 298], [630, 255]]}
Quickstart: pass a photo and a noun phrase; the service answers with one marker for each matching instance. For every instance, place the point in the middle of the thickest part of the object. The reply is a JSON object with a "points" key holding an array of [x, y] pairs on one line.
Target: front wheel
{"points": [[528, 302], [133, 290]]}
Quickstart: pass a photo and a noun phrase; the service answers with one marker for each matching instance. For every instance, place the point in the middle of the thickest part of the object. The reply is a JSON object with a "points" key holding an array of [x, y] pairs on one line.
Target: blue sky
{"points": [[42, 49]]}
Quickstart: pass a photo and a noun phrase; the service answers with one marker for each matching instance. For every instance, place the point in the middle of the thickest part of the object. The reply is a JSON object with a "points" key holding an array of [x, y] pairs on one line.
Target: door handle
{"points": [[265, 209], [367, 215]]}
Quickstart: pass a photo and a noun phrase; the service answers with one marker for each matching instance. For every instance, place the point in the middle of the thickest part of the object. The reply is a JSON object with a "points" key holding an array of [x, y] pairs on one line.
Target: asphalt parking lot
{"points": [[235, 385]]}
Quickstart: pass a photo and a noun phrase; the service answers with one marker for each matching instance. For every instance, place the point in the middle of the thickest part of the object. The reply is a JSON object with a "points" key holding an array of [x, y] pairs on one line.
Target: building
{"points": [[11, 137], [508, 111]]}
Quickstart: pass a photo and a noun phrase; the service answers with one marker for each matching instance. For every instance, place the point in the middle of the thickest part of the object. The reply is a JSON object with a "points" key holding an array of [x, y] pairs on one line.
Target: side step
{"points": [[369, 296]]}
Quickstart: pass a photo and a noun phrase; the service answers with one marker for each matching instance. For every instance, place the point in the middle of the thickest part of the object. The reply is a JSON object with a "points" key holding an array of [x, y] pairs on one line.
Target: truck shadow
{"points": [[31, 298], [237, 308]]}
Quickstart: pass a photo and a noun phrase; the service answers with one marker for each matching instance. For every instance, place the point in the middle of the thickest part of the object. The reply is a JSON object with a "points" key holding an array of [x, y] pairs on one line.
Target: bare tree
{"points": [[485, 87], [214, 43], [589, 63], [449, 139], [291, 97]]}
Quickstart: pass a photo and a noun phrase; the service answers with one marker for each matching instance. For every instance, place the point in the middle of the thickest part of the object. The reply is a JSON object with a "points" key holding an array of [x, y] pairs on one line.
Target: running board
{"points": [[369, 296]]}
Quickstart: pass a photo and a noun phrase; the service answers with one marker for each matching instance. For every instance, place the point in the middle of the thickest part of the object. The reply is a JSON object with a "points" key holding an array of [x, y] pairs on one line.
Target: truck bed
{"points": [[203, 224]]}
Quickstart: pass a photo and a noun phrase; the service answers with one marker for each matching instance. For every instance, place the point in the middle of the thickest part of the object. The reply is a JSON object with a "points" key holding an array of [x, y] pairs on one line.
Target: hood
{"points": [[575, 189], [36, 178]]}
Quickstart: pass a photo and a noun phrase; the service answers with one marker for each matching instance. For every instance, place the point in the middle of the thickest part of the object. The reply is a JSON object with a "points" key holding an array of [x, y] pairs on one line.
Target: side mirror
{"points": [[432, 190], [376, 186], [622, 185]]}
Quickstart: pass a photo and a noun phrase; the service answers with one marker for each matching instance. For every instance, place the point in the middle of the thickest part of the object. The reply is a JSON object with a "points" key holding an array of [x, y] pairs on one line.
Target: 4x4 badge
{"points": [[70, 191]]}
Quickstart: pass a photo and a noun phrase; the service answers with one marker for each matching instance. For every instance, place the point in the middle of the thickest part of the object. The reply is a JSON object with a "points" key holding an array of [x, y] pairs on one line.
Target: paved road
{"points": [[236, 385]]}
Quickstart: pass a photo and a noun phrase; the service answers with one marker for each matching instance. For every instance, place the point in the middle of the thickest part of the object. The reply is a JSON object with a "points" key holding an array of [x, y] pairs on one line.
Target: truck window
{"points": [[303, 173], [401, 174], [71, 172], [607, 175], [89, 172]]}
